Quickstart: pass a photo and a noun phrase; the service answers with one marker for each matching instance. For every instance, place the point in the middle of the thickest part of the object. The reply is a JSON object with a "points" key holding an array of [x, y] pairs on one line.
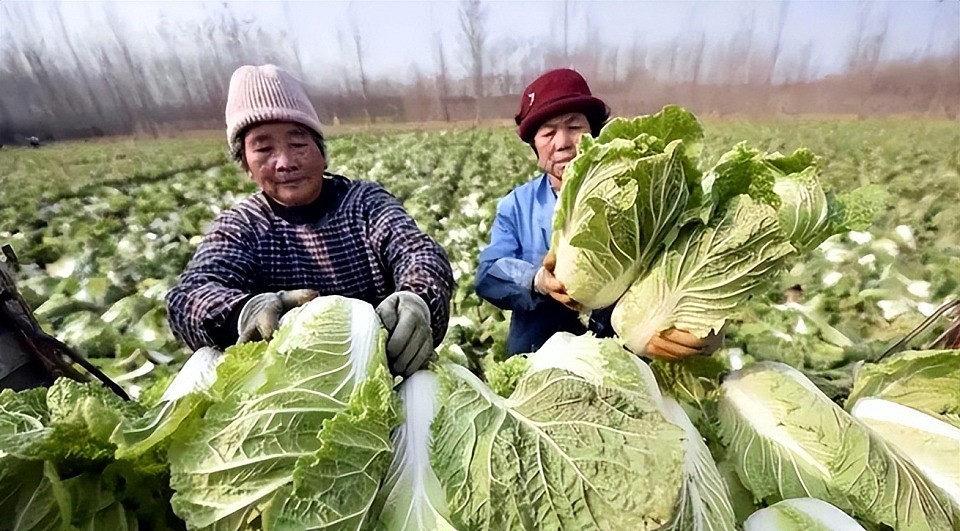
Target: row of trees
{"points": [[52, 86]]}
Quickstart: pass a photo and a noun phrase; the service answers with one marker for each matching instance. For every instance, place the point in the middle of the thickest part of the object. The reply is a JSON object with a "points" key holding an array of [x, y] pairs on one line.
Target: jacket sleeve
{"points": [[416, 261], [503, 278], [217, 279]]}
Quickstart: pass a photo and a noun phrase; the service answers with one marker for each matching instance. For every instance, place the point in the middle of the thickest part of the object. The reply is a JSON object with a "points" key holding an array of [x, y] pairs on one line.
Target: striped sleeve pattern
{"points": [[367, 248], [415, 260]]}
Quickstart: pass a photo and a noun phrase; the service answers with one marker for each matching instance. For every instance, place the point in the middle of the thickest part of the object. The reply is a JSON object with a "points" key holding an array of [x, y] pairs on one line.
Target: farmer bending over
{"points": [[306, 233]]}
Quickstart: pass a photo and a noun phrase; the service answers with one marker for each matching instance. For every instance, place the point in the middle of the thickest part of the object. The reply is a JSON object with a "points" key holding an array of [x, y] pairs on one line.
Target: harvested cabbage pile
{"points": [[292, 434], [306, 432]]}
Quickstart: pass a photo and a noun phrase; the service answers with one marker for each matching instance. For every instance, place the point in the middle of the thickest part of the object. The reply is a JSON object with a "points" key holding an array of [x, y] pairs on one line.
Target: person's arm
{"points": [[503, 278], [202, 308], [415, 260]]}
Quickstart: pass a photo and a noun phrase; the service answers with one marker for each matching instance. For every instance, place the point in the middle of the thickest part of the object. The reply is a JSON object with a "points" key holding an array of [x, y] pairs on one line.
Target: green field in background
{"points": [[102, 228]]}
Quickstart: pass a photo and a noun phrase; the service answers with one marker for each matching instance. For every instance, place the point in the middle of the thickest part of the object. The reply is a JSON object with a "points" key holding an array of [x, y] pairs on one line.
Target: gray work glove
{"points": [[410, 339], [260, 316]]}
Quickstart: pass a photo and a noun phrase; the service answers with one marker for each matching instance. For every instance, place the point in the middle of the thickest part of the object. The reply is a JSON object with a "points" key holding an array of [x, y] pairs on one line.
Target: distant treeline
{"points": [[54, 88]]}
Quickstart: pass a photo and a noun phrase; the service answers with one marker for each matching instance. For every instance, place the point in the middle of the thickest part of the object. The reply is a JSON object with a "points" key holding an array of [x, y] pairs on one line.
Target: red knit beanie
{"points": [[554, 93]]}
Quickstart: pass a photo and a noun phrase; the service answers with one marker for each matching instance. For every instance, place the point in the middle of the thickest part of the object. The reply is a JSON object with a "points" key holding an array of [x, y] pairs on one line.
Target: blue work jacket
{"points": [[519, 239]]}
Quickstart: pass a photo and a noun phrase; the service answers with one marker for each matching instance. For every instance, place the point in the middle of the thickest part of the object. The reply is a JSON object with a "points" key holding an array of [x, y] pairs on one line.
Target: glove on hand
{"points": [[260, 316], [410, 339]]}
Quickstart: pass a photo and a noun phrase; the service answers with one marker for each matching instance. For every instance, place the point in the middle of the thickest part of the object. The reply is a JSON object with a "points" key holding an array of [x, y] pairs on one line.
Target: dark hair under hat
{"points": [[557, 92]]}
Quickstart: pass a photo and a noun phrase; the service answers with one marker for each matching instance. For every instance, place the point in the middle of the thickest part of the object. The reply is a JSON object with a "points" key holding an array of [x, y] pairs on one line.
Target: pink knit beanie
{"points": [[265, 93]]}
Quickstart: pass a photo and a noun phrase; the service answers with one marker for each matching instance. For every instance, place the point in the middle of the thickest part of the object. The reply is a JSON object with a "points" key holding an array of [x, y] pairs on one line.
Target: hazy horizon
{"points": [[94, 68], [401, 37]]}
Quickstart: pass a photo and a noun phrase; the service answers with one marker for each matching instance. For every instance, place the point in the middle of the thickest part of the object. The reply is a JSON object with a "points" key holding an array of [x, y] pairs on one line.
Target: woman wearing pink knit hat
{"points": [[306, 233], [516, 269]]}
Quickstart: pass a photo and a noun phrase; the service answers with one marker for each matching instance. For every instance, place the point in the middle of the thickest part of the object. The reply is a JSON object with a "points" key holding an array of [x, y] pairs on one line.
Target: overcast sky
{"points": [[398, 34]]}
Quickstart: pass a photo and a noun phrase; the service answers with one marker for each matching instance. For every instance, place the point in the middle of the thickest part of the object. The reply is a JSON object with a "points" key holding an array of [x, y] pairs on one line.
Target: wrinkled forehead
{"points": [[570, 118], [276, 130]]}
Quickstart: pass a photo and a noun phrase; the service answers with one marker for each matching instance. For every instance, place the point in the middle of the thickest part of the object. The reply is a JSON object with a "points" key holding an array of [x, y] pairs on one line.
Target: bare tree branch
{"points": [[473, 18]]}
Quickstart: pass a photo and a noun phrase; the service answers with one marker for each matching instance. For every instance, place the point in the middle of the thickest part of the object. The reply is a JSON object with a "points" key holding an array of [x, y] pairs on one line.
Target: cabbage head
{"points": [[621, 199], [801, 514], [704, 276], [789, 440], [298, 436], [583, 441]]}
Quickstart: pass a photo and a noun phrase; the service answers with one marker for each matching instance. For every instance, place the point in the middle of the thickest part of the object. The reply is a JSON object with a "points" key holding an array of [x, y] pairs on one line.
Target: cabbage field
{"points": [[102, 229]]}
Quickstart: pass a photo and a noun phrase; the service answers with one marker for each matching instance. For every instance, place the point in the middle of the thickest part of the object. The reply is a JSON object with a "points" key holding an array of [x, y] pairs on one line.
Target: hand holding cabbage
{"points": [[670, 345], [674, 345], [638, 225], [406, 317], [545, 283], [260, 316]]}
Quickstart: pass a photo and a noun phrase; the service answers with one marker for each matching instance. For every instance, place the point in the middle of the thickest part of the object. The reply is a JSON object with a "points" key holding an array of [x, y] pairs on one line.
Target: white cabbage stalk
{"points": [[705, 505], [197, 374], [933, 445], [411, 498], [801, 514]]}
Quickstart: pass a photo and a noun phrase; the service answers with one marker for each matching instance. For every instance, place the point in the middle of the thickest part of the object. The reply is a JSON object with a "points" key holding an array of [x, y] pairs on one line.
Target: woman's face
{"points": [[556, 144], [285, 161]]}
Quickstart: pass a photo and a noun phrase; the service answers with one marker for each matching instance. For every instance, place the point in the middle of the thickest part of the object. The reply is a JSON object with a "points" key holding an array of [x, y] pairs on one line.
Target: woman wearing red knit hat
{"points": [[516, 270]]}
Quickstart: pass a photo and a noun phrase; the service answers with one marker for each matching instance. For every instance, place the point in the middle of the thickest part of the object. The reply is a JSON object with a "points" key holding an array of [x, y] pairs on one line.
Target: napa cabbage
{"points": [[925, 380], [300, 435], [932, 444], [57, 466], [801, 514], [758, 211], [566, 447], [621, 199], [789, 440], [704, 276], [291, 434]]}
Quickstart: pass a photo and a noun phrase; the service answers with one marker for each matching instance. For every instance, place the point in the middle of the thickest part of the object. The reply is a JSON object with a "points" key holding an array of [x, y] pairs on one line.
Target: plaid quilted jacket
{"points": [[356, 240]]}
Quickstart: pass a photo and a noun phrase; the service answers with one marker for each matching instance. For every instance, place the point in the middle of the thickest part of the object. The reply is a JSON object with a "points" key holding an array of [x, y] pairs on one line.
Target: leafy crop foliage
{"points": [[104, 228], [102, 231]]}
